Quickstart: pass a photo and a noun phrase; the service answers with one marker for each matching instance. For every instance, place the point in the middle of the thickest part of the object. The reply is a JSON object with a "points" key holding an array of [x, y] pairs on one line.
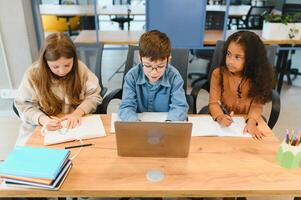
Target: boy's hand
{"points": [[252, 128], [73, 119], [225, 120]]}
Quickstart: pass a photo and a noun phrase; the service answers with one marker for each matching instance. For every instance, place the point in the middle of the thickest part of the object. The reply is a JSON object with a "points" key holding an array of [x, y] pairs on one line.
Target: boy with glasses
{"points": [[153, 85]]}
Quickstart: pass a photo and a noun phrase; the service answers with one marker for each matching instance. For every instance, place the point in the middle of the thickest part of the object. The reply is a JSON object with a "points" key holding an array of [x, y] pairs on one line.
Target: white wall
{"points": [[18, 35]]}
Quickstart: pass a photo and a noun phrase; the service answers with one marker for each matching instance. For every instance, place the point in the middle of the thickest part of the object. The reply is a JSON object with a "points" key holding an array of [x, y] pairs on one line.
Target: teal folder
{"points": [[34, 162]]}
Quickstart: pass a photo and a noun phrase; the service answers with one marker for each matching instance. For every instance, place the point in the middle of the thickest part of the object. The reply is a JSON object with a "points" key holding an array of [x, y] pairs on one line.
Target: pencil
{"points": [[223, 108], [76, 146], [51, 117]]}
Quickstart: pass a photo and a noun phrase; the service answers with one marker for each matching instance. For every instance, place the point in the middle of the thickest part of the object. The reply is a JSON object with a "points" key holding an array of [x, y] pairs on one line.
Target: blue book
{"points": [[34, 162]]}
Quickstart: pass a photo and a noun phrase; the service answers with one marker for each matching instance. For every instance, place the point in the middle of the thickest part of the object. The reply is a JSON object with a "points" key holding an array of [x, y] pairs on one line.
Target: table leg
{"points": [[282, 67]]}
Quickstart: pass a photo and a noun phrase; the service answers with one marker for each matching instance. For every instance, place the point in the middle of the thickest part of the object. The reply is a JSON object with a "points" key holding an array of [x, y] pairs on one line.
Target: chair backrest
{"points": [[271, 53], [256, 15], [215, 20], [90, 53], [217, 57], [179, 60], [291, 8]]}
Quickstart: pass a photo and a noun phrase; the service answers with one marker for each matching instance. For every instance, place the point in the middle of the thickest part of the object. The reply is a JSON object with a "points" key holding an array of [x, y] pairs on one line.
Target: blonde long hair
{"points": [[57, 45]]}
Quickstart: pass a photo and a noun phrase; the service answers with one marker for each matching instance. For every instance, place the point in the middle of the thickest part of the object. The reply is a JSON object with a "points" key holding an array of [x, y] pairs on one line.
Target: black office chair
{"points": [[217, 57], [291, 9], [15, 110], [92, 52], [214, 21], [179, 61], [255, 17], [123, 19], [87, 23]]}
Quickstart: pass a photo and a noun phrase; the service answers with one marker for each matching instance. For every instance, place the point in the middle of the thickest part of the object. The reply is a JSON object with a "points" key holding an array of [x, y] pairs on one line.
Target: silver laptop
{"points": [[153, 139]]}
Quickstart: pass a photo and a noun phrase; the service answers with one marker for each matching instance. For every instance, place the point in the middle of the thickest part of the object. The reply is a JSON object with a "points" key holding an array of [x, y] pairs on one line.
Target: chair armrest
{"points": [[200, 85], [275, 110], [191, 104], [15, 110], [115, 94], [103, 91]]}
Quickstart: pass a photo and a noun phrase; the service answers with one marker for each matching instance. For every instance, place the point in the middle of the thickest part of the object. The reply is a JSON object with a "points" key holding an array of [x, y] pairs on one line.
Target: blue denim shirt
{"points": [[167, 95]]}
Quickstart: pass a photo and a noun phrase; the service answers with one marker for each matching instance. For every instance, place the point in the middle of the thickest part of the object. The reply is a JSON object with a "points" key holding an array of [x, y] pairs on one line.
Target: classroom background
{"points": [[22, 29]]}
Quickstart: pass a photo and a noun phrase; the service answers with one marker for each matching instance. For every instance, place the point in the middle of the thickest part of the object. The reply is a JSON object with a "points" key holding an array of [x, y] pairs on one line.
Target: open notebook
{"points": [[201, 125], [91, 127], [206, 126]]}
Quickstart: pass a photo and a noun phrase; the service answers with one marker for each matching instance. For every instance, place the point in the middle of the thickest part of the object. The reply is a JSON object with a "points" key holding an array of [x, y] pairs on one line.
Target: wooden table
{"points": [[88, 10], [216, 166], [109, 37], [132, 37], [234, 10], [211, 37]]}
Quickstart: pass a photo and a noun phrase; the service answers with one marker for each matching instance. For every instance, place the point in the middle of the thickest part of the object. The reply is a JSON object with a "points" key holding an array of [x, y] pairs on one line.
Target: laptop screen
{"points": [[153, 139]]}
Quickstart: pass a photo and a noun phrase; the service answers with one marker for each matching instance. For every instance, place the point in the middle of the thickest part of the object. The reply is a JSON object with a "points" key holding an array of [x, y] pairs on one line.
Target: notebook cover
{"points": [[34, 162]]}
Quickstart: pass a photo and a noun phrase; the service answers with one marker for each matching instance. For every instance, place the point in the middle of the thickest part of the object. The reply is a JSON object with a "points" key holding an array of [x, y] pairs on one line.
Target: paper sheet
{"points": [[206, 126], [91, 127]]}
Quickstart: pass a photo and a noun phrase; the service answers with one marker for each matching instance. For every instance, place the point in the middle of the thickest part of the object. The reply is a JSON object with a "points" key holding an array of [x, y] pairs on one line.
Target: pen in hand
{"points": [[56, 122], [224, 109]]}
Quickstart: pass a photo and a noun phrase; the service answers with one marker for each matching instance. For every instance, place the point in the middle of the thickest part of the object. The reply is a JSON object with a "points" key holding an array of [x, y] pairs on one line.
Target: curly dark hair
{"points": [[256, 67]]}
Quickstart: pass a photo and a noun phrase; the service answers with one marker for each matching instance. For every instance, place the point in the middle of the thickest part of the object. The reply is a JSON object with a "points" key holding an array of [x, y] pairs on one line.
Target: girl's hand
{"points": [[51, 124], [225, 120], [73, 119], [252, 128]]}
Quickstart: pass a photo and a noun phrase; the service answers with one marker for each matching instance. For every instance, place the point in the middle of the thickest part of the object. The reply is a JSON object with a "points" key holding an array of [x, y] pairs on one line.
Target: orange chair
{"points": [[60, 24]]}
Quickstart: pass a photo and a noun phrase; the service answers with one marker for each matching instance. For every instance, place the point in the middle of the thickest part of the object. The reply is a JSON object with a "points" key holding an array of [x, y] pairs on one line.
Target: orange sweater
{"points": [[230, 99]]}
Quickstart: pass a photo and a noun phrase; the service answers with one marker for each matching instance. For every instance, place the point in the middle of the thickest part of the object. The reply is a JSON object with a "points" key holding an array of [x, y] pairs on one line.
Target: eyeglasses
{"points": [[158, 68]]}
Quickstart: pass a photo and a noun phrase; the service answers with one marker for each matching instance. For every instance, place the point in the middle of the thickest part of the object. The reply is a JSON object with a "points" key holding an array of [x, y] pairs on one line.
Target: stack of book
{"points": [[32, 167]]}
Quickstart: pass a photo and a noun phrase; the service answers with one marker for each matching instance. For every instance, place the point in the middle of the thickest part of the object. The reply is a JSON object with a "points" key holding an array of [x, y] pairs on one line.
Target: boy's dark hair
{"points": [[154, 45], [256, 67]]}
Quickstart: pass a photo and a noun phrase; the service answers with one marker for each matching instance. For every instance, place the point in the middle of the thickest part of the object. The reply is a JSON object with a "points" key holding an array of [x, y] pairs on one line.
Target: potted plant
{"points": [[282, 27]]}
